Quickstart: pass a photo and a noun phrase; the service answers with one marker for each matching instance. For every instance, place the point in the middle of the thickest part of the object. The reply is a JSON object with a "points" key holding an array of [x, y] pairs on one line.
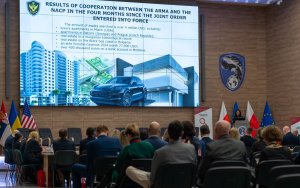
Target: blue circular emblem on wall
{"points": [[232, 70]]}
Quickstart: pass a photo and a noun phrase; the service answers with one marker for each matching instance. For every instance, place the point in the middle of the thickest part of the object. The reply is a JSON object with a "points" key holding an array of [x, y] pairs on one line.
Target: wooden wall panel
{"points": [[283, 60]]}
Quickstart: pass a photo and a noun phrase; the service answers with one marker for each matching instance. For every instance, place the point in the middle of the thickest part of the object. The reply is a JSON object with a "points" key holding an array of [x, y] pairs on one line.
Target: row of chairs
{"points": [[46, 133], [268, 174], [16, 166]]}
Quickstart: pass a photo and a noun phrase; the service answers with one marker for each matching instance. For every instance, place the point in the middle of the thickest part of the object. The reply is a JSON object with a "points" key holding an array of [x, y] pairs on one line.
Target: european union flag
{"points": [[235, 108], [267, 117]]}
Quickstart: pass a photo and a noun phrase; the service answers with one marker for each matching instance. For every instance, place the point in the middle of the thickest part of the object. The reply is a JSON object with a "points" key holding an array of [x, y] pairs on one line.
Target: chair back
{"points": [[290, 181], [142, 164], [175, 176], [228, 177], [296, 149], [8, 158], [263, 170], [82, 159], [255, 158], [17, 157], [282, 170], [227, 163], [45, 133], [76, 134], [65, 158], [46, 141], [24, 132], [102, 165]]}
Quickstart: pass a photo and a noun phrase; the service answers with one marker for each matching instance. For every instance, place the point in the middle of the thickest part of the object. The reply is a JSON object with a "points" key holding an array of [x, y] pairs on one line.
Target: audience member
{"points": [[174, 152], [274, 150], [260, 144], [90, 136], [204, 132], [289, 139], [154, 136], [115, 133], [234, 133], [101, 147], [123, 139], [135, 150], [17, 141], [144, 134], [32, 155], [9, 140], [189, 137], [248, 140], [224, 148], [63, 143]]}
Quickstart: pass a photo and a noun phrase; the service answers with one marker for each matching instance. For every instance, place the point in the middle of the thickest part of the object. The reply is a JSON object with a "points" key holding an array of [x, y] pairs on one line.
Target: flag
{"points": [[250, 116], [223, 113], [267, 117], [235, 108], [27, 120], [5, 130], [13, 118]]}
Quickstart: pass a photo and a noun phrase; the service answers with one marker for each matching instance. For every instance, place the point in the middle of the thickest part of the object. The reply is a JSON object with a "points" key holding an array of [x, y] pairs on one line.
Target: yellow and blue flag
{"points": [[13, 118]]}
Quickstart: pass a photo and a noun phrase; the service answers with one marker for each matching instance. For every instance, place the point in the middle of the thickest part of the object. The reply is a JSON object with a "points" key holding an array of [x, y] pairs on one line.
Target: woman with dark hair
{"points": [[17, 141], [237, 116], [274, 150], [189, 137]]}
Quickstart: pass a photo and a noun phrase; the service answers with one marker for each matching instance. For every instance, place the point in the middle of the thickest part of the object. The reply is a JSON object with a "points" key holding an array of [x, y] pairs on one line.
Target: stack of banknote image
{"points": [[93, 72]]}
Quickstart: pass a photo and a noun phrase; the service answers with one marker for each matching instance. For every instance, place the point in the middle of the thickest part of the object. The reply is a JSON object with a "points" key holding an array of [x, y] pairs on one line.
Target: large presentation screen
{"points": [[99, 53]]}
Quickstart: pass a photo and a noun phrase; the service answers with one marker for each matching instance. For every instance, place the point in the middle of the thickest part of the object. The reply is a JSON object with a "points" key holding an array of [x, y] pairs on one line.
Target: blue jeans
{"points": [[78, 171]]}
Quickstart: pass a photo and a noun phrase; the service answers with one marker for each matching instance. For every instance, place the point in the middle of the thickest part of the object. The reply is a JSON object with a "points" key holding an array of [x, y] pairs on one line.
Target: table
{"points": [[48, 157], [47, 162]]}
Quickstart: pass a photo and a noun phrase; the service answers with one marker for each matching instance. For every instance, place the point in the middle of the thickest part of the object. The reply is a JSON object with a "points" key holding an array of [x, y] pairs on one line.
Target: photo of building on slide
{"points": [[49, 78]]}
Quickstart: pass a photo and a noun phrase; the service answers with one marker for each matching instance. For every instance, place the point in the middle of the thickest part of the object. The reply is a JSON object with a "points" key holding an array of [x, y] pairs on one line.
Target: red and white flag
{"points": [[27, 118], [250, 116], [223, 113]]}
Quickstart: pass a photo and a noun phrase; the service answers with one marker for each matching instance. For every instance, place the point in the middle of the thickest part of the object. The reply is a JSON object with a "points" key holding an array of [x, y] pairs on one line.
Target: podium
{"points": [[241, 126]]}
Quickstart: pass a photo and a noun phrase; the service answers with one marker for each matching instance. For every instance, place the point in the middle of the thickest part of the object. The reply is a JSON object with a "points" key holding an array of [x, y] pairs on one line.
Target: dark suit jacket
{"points": [[223, 149], [156, 142], [63, 144], [270, 153], [290, 139], [9, 142], [82, 146], [32, 152], [101, 147], [206, 140]]}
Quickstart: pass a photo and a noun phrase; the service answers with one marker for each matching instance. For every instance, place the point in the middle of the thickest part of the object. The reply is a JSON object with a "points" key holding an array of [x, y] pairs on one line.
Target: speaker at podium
{"points": [[241, 126]]}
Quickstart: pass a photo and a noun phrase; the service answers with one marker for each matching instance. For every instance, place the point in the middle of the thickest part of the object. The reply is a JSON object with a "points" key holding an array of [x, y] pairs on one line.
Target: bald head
{"points": [[286, 129], [154, 128], [221, 128]]}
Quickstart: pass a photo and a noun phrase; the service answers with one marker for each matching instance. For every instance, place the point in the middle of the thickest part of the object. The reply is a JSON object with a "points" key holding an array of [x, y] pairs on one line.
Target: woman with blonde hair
{"points": [[33, 149], [234, 133]]}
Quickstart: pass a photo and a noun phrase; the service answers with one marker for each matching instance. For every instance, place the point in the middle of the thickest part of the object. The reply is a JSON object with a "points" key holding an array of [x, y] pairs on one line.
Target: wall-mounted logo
{"points": [[232, 70], [33, 7]]}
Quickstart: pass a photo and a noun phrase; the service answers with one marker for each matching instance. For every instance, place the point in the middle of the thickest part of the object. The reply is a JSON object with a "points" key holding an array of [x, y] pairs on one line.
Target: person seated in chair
{"points": [[223, 148], [289, 139], [274, 150], [17, 141], [173, 153], [90, 133], [63, 143], [33, 156], [154, 136], [101, 147], [135, 150]]}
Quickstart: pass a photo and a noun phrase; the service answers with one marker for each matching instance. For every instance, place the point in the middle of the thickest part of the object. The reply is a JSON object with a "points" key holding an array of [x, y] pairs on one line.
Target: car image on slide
{"points": [[119, 91]]}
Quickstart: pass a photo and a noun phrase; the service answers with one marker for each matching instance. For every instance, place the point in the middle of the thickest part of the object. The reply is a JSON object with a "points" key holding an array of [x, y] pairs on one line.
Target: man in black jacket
{"points": [[289, 139]]}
